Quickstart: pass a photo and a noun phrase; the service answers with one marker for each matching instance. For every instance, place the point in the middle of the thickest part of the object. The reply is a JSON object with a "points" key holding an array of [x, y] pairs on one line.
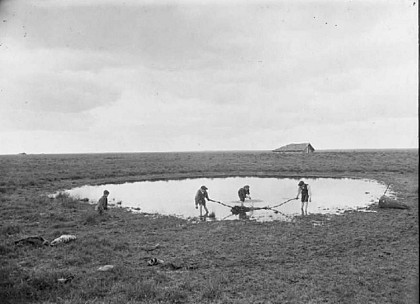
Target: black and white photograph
{"points": [[209, 151]]}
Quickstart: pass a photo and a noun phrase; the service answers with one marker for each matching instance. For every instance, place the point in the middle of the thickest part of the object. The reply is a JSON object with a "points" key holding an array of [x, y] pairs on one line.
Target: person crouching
{"points": [[103, 203]]}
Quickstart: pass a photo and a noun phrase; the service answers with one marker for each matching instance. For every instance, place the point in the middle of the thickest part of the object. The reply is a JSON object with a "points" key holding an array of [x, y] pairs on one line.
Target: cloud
{"points": [[43, 89], [215, 75], [13, 120], [58, 92]]}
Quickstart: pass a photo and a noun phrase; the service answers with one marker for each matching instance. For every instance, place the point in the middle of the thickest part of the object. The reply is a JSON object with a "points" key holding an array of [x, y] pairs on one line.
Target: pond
{"points": [[176, 197]]}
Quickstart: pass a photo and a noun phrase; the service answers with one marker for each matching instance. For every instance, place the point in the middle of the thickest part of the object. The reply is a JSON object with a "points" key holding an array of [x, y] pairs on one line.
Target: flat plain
{"points": [[357, 257]]}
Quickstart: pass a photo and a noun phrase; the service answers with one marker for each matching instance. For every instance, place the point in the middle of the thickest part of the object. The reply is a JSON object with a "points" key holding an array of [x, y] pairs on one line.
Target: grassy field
{"points": [[354, 258]]}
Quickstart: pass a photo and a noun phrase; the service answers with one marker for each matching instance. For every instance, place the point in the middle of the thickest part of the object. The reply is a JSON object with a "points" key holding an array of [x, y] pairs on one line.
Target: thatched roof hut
{"points": [[296, 148]]}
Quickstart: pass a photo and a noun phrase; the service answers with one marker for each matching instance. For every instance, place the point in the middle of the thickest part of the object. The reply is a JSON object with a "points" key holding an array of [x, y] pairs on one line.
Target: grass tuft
{"points": [[214, 287], [121, 246], [173, 296], [62, 196], [5, 249], [10, 230], [141, 291], [90, 219], [41, 201]]}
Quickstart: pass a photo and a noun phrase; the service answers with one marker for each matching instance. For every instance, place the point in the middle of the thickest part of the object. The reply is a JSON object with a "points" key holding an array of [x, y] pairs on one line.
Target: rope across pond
{"points": [[236, 210], [294, 198]]}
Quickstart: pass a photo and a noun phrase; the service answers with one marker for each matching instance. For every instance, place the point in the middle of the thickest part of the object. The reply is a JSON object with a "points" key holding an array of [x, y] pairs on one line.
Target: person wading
{"points": [[305, 191], [200, 199], [243, 193]]}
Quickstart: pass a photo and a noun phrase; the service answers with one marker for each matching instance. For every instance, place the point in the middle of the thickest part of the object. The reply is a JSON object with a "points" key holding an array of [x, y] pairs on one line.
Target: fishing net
{"points": [[240, 210]]}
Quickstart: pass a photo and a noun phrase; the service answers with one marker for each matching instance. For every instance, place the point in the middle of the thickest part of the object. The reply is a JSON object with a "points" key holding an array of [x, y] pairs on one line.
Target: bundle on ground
{"points": [[387, 202]]}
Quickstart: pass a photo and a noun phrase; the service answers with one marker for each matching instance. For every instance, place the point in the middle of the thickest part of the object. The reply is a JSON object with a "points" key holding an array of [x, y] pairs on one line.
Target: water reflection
{"points": [[176, 197]]}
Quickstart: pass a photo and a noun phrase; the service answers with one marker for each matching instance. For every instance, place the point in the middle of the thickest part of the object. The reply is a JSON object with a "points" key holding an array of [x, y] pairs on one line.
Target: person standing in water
{"points": [[200, 199], [305, 191], [243, 193]]}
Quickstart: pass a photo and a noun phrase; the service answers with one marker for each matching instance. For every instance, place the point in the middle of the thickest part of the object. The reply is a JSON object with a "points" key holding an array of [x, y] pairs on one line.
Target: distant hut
{"points": [[296, 148]]}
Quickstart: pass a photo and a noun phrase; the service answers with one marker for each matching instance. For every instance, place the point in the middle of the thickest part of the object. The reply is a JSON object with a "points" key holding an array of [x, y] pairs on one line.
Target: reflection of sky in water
{"points": [[176, 197]]}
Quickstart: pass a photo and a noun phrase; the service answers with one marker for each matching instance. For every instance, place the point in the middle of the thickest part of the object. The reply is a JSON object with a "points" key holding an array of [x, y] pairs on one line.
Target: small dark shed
{"points": [[296, 148]]}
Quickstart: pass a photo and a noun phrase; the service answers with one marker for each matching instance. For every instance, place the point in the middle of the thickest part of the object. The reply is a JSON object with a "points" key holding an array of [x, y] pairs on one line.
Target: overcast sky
{"points": [[142, 75]]}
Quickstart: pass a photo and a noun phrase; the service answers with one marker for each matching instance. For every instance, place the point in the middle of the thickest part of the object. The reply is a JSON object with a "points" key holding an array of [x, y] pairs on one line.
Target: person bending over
{"points": [[200, 199], [103, 202], [243, 193]]}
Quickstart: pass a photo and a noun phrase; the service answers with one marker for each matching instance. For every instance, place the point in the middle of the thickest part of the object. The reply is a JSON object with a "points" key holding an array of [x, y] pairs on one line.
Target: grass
{"points": [[354, 258], [213, 288]]}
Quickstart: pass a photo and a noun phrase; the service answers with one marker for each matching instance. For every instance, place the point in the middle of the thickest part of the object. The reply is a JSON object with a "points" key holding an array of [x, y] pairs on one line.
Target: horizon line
{"points": [[203, 151]]}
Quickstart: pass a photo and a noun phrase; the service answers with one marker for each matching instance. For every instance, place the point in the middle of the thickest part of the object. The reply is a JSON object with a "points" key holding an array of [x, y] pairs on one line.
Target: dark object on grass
{"points": [[33, 240], [387, 202], [154, 261], [178, 266], [173, 266]]}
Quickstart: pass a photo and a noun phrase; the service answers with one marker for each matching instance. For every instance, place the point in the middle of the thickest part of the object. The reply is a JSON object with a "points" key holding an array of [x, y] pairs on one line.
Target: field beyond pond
{"points": [[352, 258]]}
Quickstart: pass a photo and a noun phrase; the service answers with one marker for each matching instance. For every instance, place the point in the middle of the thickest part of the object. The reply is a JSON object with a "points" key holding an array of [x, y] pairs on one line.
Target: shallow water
{"points": [[176, 197]]}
